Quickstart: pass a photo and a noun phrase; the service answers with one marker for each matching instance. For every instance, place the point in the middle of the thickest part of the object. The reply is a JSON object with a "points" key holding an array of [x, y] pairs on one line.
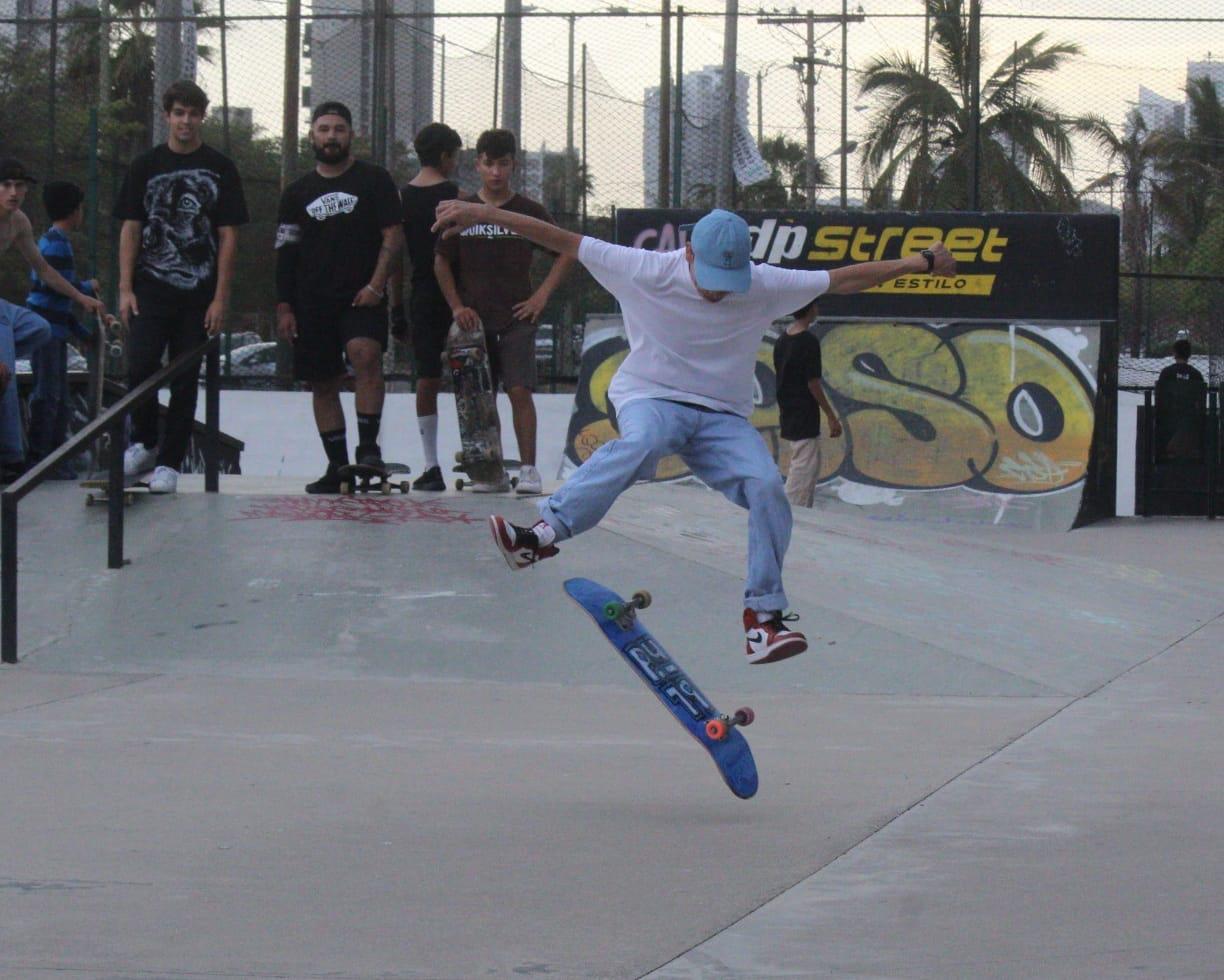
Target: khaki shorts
{"points": [[512, 355]]}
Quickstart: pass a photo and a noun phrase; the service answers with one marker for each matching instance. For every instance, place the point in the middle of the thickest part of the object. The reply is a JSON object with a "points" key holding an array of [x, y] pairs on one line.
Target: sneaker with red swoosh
{"points": [[520, 546], [768, 637]]}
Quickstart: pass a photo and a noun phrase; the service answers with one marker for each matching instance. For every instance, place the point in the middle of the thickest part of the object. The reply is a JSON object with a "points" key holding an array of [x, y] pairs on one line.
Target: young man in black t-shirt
{"points": [[1181, 407], [797, 368], [181, 204], [338, 235], [437, 147]]}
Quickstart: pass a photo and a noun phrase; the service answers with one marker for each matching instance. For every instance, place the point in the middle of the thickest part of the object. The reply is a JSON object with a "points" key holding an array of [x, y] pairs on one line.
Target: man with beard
{"points": [[338, 234], [22, 331], [181, 204]]}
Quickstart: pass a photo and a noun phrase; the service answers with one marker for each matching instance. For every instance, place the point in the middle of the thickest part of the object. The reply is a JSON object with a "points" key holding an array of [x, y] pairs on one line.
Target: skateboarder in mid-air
{"points": [[694, 319], [337, 237]]}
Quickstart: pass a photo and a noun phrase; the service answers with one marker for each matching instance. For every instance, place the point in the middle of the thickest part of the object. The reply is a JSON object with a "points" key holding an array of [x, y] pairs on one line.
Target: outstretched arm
{"points": [[864, 275], [454, 216]]}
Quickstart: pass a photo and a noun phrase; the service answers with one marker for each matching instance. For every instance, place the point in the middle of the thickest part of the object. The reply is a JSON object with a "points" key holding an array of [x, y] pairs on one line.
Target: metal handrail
{"points": [[112, 421]]}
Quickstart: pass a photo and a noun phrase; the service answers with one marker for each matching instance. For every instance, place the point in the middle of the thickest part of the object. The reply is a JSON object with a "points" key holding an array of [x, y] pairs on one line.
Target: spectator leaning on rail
{"points": [[64, 204], [181, 204], [694, 319], [21, 330]]}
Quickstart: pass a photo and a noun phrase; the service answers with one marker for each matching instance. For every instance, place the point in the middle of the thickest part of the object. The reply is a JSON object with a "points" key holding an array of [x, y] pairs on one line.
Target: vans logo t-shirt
{"points": [[330, 205]]}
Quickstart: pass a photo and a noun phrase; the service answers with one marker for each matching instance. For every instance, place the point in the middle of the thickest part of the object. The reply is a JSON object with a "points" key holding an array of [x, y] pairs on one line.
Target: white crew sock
{"points": [[428, 426], [544, 533]]}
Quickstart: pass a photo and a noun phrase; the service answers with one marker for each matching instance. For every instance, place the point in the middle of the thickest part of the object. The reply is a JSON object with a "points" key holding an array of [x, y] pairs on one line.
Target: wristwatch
{"points": [[927, 254]]}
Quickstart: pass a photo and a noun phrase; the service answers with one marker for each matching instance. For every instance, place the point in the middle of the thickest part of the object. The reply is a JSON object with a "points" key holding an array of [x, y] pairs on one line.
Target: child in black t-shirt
{"points": [[801, 397], [437, 147]]}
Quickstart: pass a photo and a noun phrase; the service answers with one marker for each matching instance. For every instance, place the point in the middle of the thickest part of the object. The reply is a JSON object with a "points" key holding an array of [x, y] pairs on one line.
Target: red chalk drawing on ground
{"points": [[361, 509]]}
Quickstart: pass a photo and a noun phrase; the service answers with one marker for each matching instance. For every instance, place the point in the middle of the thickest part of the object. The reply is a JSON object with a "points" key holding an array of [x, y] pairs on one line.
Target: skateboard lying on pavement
{"points": [[360, 478], [98, 490], [718, 734], [467, 356]]}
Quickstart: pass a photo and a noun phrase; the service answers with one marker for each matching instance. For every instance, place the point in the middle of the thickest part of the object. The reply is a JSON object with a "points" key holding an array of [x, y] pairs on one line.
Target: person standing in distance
{"points": [[485, 275], [694, 319], [801, 398], [181, 205], [337, 238], [437, 147]]}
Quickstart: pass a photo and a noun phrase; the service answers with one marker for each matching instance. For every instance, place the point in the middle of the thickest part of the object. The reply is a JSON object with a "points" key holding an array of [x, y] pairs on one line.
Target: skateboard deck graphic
{"points": [[718, 734], [360, 478], [467, 357]]}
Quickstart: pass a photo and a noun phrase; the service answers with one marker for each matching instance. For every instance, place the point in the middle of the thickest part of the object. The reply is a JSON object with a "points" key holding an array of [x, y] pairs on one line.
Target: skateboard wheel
{"points": [[459, 457], [716, 729], [346, 488], [744, 716], [404, 486], [513, 482], [641, 598], [459, 484], [385, 489], [613, 610]]}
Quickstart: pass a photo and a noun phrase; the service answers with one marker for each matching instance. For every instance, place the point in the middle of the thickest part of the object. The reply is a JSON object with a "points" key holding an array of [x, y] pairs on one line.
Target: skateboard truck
{"points": [[624, 613], [717, 728]]}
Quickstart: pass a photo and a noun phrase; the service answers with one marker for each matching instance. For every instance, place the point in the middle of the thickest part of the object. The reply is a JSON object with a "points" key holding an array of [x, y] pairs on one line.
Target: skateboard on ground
{"points": [[99, 489], [467, 356], [718, 733], [360, 478]]}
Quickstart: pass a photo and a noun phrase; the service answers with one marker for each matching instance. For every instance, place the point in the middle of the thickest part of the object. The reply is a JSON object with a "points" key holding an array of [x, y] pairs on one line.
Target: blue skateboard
{"points": [[717, 733]]}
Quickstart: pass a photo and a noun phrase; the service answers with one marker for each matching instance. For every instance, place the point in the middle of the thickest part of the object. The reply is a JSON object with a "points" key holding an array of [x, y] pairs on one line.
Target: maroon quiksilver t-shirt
{"points": [[492, 264]]}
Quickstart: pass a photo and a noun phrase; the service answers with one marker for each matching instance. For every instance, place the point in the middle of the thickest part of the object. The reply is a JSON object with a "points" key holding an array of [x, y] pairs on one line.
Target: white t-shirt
{"points": [[682, 346]]}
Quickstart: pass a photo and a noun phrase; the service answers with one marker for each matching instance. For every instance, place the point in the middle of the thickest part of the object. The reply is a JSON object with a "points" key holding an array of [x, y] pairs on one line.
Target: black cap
{"points": [[12, 169], [332, 108]]}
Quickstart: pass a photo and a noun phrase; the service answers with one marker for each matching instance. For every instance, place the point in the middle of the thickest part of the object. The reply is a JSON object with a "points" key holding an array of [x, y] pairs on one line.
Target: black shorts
{"points": [[324, 332], [430, 318]]}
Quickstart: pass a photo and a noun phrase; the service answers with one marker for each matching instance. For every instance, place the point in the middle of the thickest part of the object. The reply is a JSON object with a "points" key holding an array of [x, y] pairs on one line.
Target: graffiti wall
{"points": [[962, 422]]}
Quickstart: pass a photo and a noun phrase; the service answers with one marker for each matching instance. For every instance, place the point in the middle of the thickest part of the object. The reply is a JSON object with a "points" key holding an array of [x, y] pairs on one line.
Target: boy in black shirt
{"points": [[437, 147], [338, 234], [181, 204], [801, 397], [1181, 405]]}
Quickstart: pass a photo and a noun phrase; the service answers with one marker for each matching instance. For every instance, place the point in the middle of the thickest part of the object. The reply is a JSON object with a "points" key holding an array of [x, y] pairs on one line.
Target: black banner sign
{"points": [[1009, 266]]}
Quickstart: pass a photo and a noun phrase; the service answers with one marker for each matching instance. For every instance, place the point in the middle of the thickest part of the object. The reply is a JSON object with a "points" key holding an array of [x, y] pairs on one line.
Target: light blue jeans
{"points": [[21, 333], [724, 451]]}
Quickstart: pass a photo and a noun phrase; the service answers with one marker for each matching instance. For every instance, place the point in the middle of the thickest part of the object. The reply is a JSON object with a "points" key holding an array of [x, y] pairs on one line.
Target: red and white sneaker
{"points": [[522, 546], [768, 638]]}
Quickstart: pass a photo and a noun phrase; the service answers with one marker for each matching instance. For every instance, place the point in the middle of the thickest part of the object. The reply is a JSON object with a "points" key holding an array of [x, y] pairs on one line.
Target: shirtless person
{"points": [[21, 330]]}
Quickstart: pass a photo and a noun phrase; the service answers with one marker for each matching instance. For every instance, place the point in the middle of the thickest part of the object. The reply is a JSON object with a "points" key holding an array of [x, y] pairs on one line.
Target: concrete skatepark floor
{"points": [[303, 740]]}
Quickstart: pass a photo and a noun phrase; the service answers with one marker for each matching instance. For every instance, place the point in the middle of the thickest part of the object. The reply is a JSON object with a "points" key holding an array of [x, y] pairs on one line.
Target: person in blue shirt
{"points": [[49, 409]]}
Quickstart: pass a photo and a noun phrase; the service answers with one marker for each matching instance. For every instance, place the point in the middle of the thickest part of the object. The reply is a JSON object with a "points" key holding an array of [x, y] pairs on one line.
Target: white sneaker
{"points": [[137, 459], [163, 480], [529, 480], [501, 486]]}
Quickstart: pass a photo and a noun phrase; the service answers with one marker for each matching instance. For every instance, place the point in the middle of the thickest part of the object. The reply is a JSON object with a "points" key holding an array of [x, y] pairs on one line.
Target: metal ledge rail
{"points": [[112, 422]]}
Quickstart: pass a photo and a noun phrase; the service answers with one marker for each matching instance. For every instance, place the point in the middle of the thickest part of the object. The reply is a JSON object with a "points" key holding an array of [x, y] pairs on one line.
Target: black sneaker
{"points": [[370, 457], [431, 479], [329, 482]]}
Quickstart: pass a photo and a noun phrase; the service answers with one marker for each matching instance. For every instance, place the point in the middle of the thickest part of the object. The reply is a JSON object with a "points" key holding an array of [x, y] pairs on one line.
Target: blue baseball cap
{"points": [[721, 252]]}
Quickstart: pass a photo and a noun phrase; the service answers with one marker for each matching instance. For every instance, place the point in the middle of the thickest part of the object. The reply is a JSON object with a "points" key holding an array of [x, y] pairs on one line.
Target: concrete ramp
{"points": [[303, 737]]}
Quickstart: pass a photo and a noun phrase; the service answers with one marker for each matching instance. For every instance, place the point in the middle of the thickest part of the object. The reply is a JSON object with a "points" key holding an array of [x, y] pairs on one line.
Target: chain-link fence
{"points": [[1004, 105]]}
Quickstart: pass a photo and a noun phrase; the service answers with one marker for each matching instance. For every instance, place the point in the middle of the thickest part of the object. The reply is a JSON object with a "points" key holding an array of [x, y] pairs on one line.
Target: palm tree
{"points": [[1192, 170], [786, 184], [1134, 156], [920, 131]]}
